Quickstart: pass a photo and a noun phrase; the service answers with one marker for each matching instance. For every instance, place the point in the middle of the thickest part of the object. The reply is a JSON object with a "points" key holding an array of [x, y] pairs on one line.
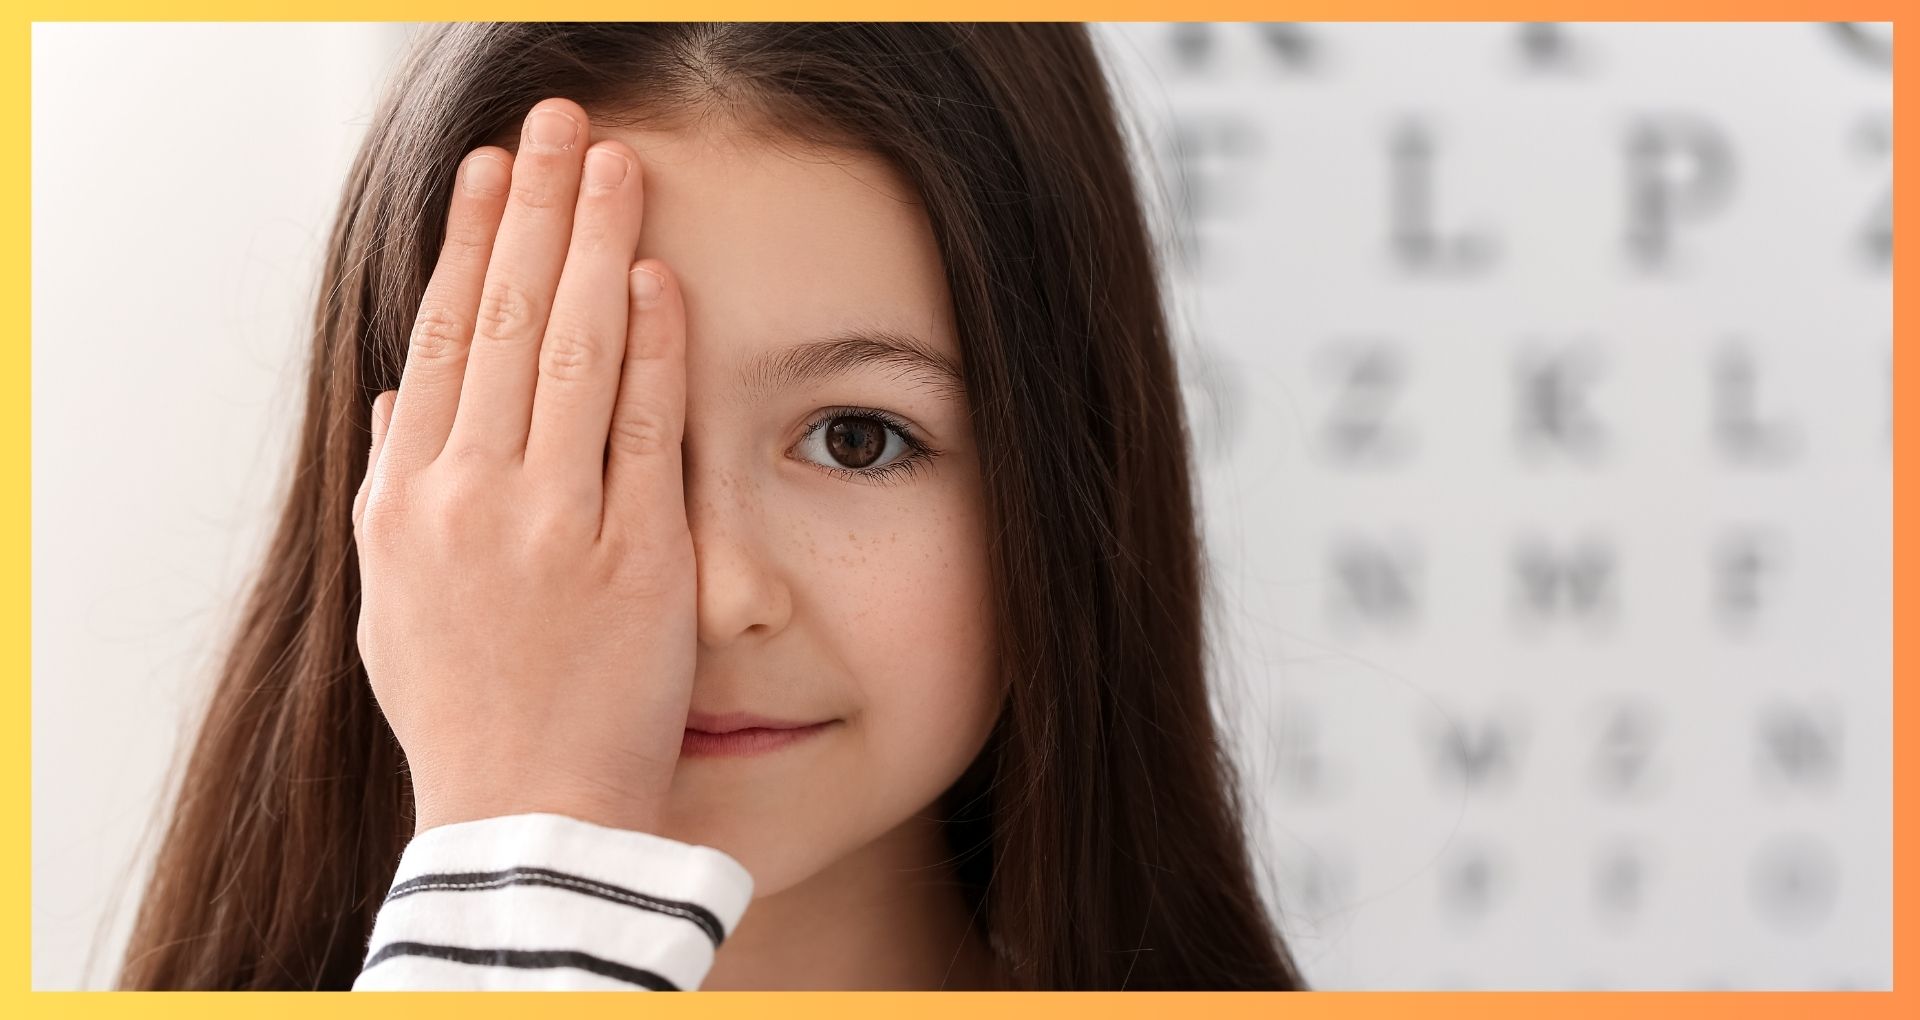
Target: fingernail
{"points": [[486, 175], [551, 131], [645, 285], [605, 169]]}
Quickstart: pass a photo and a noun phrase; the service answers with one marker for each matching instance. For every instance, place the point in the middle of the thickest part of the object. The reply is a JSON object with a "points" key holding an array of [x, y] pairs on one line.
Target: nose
{"points": [[742, 594]]}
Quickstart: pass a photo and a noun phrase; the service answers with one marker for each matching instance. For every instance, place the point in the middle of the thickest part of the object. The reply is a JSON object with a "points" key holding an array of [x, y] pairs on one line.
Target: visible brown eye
{"points": [[856, 442], [850, 440]]}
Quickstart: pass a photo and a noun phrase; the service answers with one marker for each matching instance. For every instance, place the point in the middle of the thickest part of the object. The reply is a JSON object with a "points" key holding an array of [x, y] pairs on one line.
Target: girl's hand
{"points": [[527, 611]]}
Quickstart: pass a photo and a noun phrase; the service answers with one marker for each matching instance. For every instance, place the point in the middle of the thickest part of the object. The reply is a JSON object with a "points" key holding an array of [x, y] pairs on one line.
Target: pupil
{"points": [[855, 442]]}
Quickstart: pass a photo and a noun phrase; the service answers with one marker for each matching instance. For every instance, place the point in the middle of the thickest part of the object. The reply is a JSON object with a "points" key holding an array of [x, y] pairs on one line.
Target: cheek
{"points": [[910, 616], [928, 693], [927, 684]]}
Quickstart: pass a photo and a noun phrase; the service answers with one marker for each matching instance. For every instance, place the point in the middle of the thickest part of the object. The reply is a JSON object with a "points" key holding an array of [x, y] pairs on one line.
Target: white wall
{"points": [[183, 180], [1684, 782]]}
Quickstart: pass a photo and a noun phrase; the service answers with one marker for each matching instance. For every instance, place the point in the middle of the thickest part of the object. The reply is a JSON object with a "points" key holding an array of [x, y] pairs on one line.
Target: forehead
{"points": [[779, 246]]}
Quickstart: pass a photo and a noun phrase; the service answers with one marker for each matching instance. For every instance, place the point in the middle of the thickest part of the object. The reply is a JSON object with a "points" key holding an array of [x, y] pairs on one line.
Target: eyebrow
{"points": [[835, 354]]}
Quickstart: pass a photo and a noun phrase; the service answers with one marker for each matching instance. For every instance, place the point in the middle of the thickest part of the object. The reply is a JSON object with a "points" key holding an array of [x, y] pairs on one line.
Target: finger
{"points": [[649, 415], [496, 396], [586, 336], [382, 417], [443, 328]]}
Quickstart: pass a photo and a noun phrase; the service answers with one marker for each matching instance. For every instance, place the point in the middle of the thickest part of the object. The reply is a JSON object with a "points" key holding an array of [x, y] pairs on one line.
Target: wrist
{"points": [[637, 810]]}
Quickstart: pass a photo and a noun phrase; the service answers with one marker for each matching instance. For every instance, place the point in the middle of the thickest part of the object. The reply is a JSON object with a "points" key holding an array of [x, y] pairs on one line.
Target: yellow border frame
{"points": [[15, 793]]}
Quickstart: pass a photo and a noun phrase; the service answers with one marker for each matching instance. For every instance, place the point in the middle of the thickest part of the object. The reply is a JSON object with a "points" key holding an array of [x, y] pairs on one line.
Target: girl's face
{"points": [[842, 573]]}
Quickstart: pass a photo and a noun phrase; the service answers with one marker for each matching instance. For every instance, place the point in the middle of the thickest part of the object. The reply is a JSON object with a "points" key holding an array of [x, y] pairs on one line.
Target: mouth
{"points": [[742, 735]]}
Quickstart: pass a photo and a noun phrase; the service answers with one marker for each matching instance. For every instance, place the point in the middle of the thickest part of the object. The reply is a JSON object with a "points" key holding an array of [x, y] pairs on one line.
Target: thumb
{"points": [[382, 415], [649, 414]]}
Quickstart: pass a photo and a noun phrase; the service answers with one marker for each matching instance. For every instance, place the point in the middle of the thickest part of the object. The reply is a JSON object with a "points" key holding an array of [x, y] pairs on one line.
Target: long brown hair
{"points": [[1100, 834]]}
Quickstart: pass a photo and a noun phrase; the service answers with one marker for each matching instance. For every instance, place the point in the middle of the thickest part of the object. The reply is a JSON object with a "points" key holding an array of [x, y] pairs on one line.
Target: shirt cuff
{"points": [[547, 901]]}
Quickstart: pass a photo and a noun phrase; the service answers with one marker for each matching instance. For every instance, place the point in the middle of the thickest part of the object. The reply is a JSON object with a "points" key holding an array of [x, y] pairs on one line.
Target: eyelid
{"points": [[919, 454]]}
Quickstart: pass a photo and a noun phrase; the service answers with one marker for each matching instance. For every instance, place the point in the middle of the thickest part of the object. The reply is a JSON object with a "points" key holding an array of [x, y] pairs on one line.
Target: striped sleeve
{"points": [[543, 901]]}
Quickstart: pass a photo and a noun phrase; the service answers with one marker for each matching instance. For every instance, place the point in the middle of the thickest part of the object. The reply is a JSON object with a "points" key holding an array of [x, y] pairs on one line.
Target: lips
{"points": [[741, 735], [729, 722]]}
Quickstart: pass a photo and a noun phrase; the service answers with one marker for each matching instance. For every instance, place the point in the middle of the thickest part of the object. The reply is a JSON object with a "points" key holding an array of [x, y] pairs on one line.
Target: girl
{"points": [[774, 564]]}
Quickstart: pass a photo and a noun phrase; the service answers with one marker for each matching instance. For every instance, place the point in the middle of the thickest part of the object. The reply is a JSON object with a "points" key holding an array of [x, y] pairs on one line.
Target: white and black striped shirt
{"points": [[543, 901]]}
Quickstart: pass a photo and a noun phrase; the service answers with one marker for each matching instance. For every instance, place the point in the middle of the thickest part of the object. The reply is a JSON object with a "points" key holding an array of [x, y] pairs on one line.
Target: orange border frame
{"points": [[16, 851]]}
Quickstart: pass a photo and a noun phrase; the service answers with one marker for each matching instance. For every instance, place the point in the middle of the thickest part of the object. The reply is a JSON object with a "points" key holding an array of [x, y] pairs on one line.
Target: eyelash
{"points": [[917, 457]]}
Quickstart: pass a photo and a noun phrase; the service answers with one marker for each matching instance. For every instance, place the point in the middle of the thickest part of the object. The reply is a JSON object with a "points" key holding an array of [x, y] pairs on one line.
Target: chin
{"points": [[775, 852]]}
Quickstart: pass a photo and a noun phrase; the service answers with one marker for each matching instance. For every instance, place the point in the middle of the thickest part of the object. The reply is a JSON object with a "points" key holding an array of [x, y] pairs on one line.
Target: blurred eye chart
{"points": [[1540, 377]]}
